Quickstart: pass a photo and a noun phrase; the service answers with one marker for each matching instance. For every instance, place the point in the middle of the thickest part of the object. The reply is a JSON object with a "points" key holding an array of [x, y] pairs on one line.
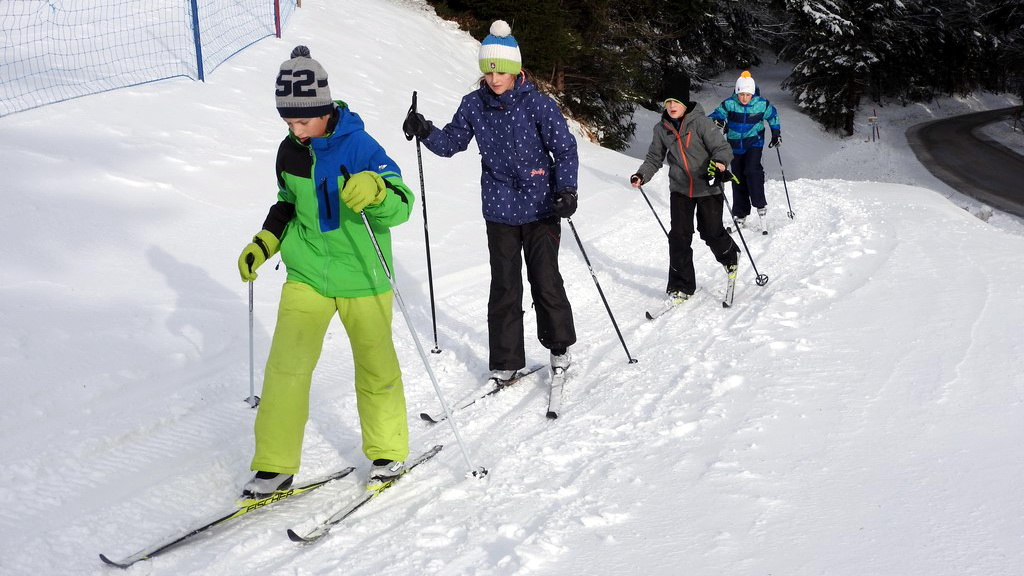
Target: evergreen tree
{"points": [[602, 58], [1005, 20], [831, 70]]}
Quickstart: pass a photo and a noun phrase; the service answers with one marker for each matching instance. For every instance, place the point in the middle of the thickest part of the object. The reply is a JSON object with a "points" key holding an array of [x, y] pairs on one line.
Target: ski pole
{"points": [[760, 279], [253, 400], [476, 472], [599, 291], [790, 213], [426, 231], [641, 188]]}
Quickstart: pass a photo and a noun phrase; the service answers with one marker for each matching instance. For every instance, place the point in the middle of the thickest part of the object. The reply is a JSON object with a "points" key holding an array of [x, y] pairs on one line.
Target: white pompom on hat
{"points": [[745, 83], [499, 52]]}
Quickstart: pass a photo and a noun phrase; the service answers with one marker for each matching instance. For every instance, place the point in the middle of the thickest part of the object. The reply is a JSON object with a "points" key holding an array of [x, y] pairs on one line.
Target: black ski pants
{"points": [[708, 210], [507, 245], [750, 191]]}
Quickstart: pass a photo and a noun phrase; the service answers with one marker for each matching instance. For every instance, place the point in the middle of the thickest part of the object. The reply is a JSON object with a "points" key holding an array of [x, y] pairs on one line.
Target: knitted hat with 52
{"points": [[499, 52], [745, 83], [302, 90]]}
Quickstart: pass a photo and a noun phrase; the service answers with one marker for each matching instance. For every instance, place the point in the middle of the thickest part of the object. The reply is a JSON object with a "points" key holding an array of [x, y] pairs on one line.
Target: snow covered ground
{"points": [[860, 414]]}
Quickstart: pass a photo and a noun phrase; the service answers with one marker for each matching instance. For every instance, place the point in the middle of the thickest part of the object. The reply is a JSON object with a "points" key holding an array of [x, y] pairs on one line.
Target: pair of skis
{"points": [[322, 528], [670, 304], [494, 386], [248, 505]]}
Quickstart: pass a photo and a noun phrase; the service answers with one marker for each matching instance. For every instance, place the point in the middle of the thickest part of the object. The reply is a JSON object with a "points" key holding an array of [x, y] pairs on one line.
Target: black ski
{"points": [[473, 397], [321, 529], [668, 306], [244, 507], [658, 312]]}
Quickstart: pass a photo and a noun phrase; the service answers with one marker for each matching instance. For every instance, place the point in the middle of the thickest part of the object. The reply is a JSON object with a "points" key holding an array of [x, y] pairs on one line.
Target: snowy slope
{"points": [[859, 414]]}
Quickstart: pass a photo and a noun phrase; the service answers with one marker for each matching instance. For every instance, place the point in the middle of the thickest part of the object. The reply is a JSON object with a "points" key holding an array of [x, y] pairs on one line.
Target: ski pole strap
{"points": [[412, 110]]}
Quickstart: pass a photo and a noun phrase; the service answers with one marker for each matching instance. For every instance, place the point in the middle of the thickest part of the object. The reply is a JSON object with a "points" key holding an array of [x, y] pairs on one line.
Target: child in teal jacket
{"points": [[743, 115]]}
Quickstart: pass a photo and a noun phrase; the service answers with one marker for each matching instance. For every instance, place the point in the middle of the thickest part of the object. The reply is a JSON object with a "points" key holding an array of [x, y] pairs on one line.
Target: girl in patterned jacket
{"points": [[528, 183]]}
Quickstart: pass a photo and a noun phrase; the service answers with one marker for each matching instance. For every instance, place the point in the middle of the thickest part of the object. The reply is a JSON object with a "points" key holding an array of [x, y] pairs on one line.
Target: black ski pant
{"points": [[507, 245], [708, 210], [750, 191]]}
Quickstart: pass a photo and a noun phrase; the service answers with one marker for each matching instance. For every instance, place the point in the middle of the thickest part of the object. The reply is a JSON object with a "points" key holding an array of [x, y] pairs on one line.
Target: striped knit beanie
{"points": [[499, 52], [302, 90], [745, 83]]}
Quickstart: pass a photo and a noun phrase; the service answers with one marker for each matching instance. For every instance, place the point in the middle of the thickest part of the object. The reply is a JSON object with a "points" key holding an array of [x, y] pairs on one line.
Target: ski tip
{"points": [[110, 562], [649, 317], [552, 415], [726, 305], [427, 418], [294, 537]]}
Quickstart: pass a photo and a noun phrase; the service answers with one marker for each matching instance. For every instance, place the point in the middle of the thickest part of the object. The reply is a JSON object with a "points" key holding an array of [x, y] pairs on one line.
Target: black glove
{"points": [[721, 124], [416, 126], [636, 179], [776, 139], [565, 202]]}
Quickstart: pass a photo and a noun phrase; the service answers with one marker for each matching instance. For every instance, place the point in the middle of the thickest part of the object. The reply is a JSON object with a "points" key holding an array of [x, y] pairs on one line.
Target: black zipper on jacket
{"points": [[327, 199]]}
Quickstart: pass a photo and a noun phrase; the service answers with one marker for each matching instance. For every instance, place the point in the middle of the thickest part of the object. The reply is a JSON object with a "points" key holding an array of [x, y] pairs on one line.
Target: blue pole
{"points": [[197, 40]]}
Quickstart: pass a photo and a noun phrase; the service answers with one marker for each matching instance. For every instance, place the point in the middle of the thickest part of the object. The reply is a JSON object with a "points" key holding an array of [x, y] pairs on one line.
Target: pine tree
{"points": [[1005, 19], [831, 71]]}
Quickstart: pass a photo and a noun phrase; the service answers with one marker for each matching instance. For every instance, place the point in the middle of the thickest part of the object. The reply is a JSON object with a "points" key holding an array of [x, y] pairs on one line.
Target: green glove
{"points": [[264, 245], [363, 189]]}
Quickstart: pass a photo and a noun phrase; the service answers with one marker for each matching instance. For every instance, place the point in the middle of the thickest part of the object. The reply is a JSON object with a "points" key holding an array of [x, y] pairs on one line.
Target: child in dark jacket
{"points": [[530, 167], [696, 151]]}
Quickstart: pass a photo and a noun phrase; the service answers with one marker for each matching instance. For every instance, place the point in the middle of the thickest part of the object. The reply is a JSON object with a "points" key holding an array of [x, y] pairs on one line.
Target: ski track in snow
{"points": [[798, 432], [516, 523]]}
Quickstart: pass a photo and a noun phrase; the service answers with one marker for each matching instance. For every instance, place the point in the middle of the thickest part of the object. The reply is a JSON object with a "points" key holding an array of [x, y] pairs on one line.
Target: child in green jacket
{"points": [[328, 171]]}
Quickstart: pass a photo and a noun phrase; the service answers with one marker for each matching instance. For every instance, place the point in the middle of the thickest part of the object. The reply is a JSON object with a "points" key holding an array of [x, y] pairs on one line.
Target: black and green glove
{"points": [[712, 174], [264, 245], [715, 176]]}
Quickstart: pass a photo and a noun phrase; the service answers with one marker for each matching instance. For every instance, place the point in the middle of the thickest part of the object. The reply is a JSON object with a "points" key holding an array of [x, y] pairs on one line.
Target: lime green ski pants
{"points": [[302, 320]]}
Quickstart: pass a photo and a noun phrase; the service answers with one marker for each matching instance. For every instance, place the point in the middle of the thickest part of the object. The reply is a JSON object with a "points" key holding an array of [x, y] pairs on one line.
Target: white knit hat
{"points": [[499, 52], [745, 83]]}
